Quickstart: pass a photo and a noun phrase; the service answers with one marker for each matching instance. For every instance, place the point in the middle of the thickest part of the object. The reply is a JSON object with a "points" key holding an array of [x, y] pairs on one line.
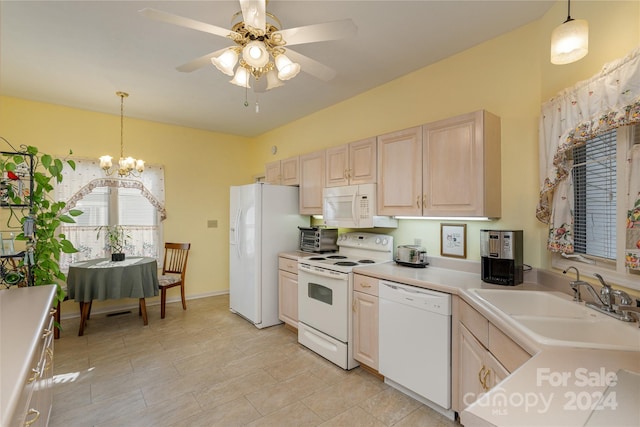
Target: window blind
{"points": [[594, 181]]}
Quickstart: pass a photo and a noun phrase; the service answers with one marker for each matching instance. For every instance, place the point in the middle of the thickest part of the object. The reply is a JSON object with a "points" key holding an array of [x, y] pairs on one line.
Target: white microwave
{"points": [[353, 206]]}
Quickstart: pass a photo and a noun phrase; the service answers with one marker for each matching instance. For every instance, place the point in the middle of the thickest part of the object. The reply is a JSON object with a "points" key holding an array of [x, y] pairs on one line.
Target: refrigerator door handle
{"points": [[236, 232]]}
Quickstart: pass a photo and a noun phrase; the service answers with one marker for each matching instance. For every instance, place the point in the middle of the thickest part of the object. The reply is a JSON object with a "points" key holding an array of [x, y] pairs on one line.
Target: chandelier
{"points": [[258, 53], [127, 166], [569, 40]]}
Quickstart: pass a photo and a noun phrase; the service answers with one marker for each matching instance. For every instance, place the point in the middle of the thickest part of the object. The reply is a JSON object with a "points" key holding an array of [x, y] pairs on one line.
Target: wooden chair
{"points": [[174, 268]]}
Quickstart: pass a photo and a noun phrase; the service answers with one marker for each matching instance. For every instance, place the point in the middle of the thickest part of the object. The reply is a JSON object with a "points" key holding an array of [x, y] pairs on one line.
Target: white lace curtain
{"points": [[88, 175], [145, 240], [606, 101]]}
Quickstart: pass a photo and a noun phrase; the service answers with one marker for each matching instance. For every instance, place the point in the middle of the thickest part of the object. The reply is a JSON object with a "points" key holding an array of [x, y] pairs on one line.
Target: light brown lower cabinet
{"points": [[288, 291], [479, 371], [365, 320], [485, 357]]}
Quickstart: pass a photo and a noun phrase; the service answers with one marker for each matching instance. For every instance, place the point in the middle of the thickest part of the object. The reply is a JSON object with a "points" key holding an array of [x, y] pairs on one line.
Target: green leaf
{"points": [[72, 164], [75, 212], [46, 161], [67, 219]]}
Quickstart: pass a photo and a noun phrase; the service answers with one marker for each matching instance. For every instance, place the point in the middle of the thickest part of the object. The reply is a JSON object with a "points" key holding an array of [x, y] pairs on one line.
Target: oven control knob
{"points": [[377, 240], [385, 241]]}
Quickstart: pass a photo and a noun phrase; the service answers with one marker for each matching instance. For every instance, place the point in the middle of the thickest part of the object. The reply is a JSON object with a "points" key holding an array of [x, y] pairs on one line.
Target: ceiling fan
{"points": [[261, 46]]}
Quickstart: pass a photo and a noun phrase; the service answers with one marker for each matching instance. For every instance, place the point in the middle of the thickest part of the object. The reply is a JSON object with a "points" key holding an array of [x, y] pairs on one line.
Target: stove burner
{"points": [[316, 258], [346, 263], [366, 261], [336, 257]]}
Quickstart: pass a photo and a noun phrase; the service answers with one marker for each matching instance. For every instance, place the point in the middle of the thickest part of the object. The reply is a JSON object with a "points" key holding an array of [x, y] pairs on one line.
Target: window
{"points": [[600, 183], [594, 188], [111, 206], [138, 205]]}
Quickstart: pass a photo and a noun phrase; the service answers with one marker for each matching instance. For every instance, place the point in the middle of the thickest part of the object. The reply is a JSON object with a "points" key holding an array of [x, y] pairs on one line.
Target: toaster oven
{"points": [[318, 239]]}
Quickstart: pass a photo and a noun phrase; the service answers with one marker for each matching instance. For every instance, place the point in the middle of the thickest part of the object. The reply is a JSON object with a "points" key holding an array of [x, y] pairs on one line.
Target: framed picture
{"points": [[453, 240]]}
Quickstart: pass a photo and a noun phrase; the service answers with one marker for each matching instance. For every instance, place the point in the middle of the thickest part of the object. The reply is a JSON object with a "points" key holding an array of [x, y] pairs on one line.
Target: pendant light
{"points": [[127, 166], [569, 40]]}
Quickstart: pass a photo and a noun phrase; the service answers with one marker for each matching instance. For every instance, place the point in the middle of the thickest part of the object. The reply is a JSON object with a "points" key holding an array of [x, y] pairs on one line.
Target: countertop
{"points": [[296, 255], [24, 313], [588, 373]]}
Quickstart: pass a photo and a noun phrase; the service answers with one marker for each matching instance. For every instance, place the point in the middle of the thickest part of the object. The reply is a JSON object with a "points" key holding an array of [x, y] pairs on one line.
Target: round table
{"points": [[101, 279]]}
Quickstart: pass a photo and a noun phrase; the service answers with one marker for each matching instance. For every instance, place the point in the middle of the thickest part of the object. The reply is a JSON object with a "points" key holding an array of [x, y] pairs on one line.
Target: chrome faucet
{"points": [[575, 284], [605, 300], [605, 293]]}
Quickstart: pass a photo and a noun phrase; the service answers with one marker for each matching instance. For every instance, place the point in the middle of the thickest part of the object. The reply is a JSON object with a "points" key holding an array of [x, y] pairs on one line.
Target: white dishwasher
{"points": [[415, 341]]}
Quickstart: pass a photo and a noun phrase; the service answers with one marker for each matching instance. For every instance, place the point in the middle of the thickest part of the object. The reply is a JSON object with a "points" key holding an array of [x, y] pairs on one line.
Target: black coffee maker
{"points": [[501, 257]]}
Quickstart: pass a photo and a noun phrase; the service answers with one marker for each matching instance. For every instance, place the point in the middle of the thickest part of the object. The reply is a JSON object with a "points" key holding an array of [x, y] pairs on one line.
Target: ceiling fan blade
{"points": [[319, 32], [198, 63], [181, 21], [311, 66], [254, 13]]}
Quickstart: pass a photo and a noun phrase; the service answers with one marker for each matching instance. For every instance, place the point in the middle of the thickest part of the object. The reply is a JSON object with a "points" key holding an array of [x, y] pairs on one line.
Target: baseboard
{"points": [[132, 304]]}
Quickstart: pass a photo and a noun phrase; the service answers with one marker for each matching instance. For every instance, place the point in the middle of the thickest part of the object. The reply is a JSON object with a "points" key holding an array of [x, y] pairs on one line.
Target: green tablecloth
{"points": [[101, 279]]}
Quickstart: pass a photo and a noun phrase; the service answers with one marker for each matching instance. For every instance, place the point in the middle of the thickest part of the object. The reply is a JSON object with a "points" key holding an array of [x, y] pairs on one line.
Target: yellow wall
{"points": [[510, 76], [199, 166]]}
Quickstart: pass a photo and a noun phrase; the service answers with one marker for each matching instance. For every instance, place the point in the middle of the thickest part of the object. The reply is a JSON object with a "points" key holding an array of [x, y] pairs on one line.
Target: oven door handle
{"points": [[322, 272]]}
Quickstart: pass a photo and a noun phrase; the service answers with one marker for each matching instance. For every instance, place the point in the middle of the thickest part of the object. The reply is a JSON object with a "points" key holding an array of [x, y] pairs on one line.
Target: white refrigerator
{"points": [[264, 221]]}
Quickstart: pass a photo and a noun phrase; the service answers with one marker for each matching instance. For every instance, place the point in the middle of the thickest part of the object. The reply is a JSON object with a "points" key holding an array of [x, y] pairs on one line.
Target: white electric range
{"points": [[325, 292]]}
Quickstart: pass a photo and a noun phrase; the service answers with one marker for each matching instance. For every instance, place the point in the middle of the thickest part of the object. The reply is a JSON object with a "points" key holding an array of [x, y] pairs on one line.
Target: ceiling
{"points": [[79, 53]]}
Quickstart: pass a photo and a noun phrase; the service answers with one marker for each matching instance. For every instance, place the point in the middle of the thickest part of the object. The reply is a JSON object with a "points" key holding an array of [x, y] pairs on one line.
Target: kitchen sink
{"points": [[593, 333], [534, 303], [553, 318]]}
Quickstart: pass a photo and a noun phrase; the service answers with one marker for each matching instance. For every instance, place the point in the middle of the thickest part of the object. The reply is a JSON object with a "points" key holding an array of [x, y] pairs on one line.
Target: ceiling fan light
{"points": [[255, 54], [226, 61], [241, 78], [273, 81], [570, 41], [286, 69]]}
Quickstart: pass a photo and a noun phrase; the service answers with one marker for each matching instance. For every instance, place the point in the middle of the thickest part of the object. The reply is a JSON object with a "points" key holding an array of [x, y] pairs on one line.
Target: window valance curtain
{"points": [[608, 100], [88, 176], [632, 247]]}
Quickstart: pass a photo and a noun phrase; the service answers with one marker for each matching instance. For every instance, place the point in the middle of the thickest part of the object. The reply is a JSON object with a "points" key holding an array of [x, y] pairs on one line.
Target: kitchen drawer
{"points": [[365, 284], [475, 322], [510, 354], [288, 264]]}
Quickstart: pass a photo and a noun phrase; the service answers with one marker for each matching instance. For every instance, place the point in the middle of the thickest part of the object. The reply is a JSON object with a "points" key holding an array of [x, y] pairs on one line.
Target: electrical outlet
{"points": [[212, 223]]}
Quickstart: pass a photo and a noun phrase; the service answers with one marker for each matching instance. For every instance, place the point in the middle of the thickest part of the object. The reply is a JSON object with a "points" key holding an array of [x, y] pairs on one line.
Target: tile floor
{"points": [[209, 367]]}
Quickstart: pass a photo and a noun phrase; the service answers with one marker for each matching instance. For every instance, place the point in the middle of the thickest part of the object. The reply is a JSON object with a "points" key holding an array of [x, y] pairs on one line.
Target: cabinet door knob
{"points": [[418, 201], [365, 285], [36, 416]]}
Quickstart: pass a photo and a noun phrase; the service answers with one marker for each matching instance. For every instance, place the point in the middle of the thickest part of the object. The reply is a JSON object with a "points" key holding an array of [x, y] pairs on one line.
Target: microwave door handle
{"points": [[354, 210]]}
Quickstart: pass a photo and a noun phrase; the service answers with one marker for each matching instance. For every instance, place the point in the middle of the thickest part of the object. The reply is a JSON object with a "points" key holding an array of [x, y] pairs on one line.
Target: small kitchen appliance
{"points": [[353, 206], [411, 256], [501, 257], [318, 239], [325, 294]]}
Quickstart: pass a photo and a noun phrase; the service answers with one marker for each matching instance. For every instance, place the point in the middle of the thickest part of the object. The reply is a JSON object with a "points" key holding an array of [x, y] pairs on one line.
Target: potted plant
{"points": [[116, 238], [32, 209]]}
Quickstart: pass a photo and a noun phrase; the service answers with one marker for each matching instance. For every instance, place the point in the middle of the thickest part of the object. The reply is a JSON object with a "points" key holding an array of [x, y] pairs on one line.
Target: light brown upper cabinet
{"points": [[353, 163], [450, 167], [400, 173], [284, 172], [311, 182]]}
